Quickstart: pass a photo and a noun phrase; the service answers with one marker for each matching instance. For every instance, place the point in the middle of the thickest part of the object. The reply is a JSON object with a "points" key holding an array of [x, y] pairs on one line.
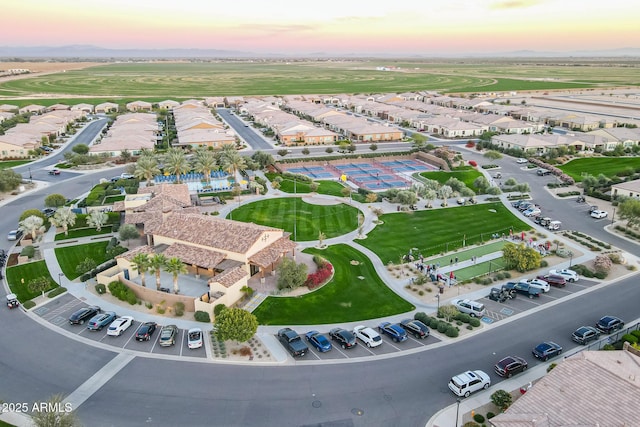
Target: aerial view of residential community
{"points": [[275, 214]]}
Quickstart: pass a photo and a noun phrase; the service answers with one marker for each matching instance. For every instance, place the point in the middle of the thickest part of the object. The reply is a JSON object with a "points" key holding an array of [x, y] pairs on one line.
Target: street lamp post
{"points": [[613, 217], [30, 176], [457, 410], [438, 298], [60, 279], [570, 259]]}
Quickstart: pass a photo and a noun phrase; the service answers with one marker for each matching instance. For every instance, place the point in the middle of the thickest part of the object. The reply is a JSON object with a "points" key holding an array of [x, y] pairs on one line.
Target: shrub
{"points": [[148, 305], [130, 297], [631, 339], [28, 251], [490, 415], [321, 275], [478, 418], [474, 322], [218, 308], [160, 309], [57, 291], [551, 366], [421, 316], [434, 323], [178, 309], [600, 275], [463, 317], [202, 316], [636, 334], [615, 258], [501, 399], [452, 332], [101, 288], [28, 305], [442, 327], [603, 264]]}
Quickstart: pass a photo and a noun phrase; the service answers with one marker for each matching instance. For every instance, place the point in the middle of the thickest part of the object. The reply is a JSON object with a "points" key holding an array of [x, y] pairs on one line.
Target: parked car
{"points": [[472, 308], [12, 301], [145, 331], [546, 350], [525, 205], [501, 294], [609, 324], [126, 176], [99, 321], [468, 382], [532, 212], [538, 283], [292, 342], [84, 314], [543, 172], [394, 330], [569, 275], [367, 335], [344, 337], [120, 325], [522, 160], [54, 172], [416, 328], [584, 334], [48, 212], [554, 225], [14, 235], [318, 341], [168, 335], [553, 280], [510, 365], [523, 288], [599, 214], [194, 338]]}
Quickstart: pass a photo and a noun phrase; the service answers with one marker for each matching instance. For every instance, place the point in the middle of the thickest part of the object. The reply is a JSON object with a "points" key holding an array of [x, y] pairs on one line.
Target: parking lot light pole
{"points": [[438, 298], [60, 279], [457, 410], [570, 259]]}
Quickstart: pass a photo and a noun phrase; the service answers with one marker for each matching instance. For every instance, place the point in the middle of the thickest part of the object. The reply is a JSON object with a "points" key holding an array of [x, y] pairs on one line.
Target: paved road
{"points": [[251, 136]]}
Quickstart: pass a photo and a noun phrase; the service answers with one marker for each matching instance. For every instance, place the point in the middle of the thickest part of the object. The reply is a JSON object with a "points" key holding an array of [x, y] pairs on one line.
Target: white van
{"points": [[472, 308]]}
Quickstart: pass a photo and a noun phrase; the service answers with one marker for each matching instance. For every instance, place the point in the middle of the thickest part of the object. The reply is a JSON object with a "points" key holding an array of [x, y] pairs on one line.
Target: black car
{"points": [[510, 366], [145, 331], [522, 288], [415, 328], [609, 324], [48, 212], [584, 334], [346, 338], [546, 350], [84, 314]]}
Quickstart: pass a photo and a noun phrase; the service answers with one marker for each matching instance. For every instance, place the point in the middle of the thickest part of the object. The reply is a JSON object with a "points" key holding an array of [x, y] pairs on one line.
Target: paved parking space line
{"points": [[182, 342], [58, 320], [397, 348], [311, 351]]}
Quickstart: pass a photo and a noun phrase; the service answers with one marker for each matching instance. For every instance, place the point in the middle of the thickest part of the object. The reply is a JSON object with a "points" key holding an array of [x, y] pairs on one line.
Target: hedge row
{"points": [[122, 292]]}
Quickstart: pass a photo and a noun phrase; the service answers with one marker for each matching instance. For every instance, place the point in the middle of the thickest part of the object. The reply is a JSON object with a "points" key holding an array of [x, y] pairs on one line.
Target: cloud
{"points": [[514, 4]]}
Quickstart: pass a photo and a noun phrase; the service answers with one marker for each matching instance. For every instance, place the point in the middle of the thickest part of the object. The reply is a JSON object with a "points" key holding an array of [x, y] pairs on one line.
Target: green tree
{"points": [[351, 148], [445, 192], [263, 159], [329, 150], [481, 183], [342, 146], [629, 210], [306, 151], [346, 191], [141, 263], [32, 212], [502, 399], [9, 180], [128, 232], [175, 267], [283, 152], [247, 291], [373, 147], [125, 156], [233, 163], [64, 218], [313, 187], [522, 188], [419, 140], [290, 274], [204, 161], [176, 162], [156, 264], [97, 219], [32, 225], [85, 266], [493, 155], [236, 324], [61, 418], [39, 284], [520, 257], [406, 197], [55, 200], [146, 168], [448, 311], [371, 198], [80, 149]]}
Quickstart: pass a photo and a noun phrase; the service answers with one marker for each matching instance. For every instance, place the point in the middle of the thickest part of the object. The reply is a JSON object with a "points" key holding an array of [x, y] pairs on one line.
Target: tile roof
{"points": [[273, 252], [179, 192], [129, 255], [229, 277], [206, 258]]}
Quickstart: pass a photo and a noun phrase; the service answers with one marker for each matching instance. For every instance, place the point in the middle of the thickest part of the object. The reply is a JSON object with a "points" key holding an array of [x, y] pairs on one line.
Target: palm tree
{"points": [[232, 162], [146, 168], [176, 267], [64, 218], [156, 264], [32, 225], [141, 263], [97, 219], [176, 162], [205, 162]]}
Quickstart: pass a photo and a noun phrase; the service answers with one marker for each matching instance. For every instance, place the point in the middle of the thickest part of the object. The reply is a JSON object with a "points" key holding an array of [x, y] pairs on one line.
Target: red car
{"points": [[54, 172], [553, 280]]}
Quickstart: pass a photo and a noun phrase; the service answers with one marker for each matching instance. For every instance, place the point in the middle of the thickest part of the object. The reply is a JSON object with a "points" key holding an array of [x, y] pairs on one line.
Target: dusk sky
{"points": [[329, 26]]}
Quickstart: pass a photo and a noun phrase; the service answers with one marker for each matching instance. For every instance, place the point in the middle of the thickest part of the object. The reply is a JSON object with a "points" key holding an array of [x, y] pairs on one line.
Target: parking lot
{"points": [[497, 311], [58, 311]]}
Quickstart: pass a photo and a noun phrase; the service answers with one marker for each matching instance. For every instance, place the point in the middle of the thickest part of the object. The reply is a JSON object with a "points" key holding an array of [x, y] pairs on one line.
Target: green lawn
{"points": [[333, 220], [27, 272], [608, 166], [468, 176], [83, 232], [70, 256], [331, 188], [439, 230], [356, 292], [13, 163]]}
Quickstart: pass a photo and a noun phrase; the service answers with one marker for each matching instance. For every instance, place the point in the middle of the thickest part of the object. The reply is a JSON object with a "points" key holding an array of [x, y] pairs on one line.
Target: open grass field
{"points": [[356, 292], [439, 230], [468, 176], [28, 272], [156, 81], [331, 188], [69, 257], [608, 166], [333, 220]]}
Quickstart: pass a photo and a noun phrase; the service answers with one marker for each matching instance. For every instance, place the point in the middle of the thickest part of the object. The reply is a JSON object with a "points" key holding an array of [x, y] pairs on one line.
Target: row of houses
{"points": [[197, 127], [132, 132]]}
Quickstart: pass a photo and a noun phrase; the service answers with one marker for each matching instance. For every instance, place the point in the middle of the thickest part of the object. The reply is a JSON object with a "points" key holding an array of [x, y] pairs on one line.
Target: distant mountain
{"points": [[96, 52]]}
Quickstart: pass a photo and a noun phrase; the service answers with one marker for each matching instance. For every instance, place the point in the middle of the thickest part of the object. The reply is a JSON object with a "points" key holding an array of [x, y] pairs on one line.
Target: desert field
{"points": [[181, 80]]}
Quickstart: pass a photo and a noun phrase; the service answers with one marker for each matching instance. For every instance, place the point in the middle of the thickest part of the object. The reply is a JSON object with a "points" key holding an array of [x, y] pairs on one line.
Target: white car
{"points": [[569, 275], [119, 325], [14, 235], [538, 284], [194, 338], [367, 335], [599, 214], [468, 382], [532, 212], [521, 160]]}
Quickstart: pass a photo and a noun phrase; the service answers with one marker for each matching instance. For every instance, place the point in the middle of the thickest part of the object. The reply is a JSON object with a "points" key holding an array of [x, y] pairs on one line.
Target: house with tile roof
{"points": [[139, 106], [32, 108], [225, 253], [591, 388], [106, 108], [9, 108], [86, 108], [626, 189]]}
